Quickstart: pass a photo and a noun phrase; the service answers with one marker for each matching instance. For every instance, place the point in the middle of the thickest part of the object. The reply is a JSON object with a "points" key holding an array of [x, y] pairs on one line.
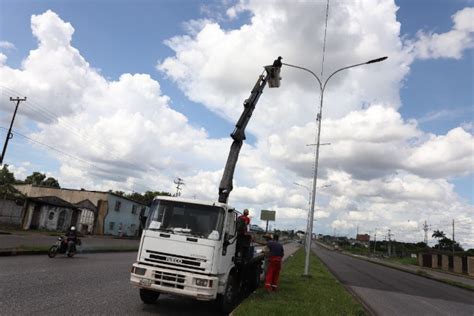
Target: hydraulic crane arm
{"points": [[238, 135]]}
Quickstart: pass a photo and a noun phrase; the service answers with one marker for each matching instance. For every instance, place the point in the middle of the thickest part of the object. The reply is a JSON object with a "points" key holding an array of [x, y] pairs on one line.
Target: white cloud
{"points": [[450, 44], [382, 168], [444, 156], [6, 45]]}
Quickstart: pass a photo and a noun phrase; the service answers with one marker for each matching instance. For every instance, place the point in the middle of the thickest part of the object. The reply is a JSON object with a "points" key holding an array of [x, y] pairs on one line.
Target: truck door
{"points": [[228, 252]]}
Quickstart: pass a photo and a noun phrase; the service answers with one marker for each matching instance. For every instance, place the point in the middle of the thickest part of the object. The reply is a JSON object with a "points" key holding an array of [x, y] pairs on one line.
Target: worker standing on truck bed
{"points": [[275, 253], [245, 222], [243, 237]]}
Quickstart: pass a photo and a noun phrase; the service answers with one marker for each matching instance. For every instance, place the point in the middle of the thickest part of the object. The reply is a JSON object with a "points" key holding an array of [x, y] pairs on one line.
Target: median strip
{"points": [[321, 294]]}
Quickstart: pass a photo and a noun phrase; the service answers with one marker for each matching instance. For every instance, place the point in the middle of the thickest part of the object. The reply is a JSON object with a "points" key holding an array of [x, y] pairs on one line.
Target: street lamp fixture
{"points": [[322, 87]]}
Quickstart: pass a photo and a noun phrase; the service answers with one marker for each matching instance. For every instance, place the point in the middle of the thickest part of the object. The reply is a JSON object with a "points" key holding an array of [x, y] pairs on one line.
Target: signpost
{"points": [[267, 215]]}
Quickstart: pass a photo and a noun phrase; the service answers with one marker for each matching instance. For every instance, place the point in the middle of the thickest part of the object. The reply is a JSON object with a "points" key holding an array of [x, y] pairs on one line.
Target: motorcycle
{"points": [[62, 245]]}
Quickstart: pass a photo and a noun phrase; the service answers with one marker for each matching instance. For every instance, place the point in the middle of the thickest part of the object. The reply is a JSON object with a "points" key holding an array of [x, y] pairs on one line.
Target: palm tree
{"points": [[438, 234]]}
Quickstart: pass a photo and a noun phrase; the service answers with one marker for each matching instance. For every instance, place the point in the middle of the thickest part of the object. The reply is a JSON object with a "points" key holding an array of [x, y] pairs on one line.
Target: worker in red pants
{"points": [[275, 253]]}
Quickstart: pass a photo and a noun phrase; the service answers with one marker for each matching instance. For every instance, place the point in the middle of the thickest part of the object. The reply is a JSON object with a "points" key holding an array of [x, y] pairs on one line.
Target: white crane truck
{"points": [[191, 248]]}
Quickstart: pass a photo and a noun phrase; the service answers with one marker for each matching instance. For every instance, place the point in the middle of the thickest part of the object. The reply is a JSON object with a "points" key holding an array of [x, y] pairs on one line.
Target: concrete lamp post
{"points": [[322, 87]]}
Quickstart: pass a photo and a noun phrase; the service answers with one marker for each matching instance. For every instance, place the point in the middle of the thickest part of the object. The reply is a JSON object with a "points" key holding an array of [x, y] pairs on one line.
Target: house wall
{"points": [[124, 221], [50, 216], [10, 213], [86, 221]]}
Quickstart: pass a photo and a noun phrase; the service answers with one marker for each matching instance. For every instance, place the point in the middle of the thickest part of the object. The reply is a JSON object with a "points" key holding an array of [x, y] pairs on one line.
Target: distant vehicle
{"points": [[62, 245], [256, 228]]}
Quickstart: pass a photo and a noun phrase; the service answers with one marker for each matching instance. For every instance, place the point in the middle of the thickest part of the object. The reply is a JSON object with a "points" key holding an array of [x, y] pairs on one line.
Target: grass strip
{"points": [[321, 294]]}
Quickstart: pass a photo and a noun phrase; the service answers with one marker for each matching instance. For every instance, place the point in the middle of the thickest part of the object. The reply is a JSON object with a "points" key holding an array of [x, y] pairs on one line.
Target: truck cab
{"points": [[188, 248]]}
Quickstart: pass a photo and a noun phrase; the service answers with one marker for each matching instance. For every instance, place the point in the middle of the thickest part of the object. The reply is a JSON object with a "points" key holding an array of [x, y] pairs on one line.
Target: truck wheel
{"points": [[228, 299], [254, 277], [149, 297]]}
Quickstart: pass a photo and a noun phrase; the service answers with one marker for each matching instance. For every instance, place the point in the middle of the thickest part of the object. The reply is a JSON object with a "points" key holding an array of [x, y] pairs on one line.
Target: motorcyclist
{"points": [[71, 238]]}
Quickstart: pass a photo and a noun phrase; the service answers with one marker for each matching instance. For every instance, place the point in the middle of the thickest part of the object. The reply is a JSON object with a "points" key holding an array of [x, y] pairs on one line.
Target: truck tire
{"points": [[254, 277], [229, 298], [149, 297]]}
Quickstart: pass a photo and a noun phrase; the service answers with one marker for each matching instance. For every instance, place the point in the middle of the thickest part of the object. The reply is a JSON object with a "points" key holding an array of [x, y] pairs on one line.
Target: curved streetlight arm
{"points": [[307, 70], [352, 66], [302, 185]]}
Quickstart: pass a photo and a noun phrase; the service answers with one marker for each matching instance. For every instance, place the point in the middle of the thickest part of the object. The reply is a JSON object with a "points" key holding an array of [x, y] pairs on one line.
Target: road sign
{"points": [[266, 215]]}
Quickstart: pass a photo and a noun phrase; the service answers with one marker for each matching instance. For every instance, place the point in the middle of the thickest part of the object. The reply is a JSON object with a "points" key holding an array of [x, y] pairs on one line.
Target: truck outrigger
{"points": [[190, 247]]}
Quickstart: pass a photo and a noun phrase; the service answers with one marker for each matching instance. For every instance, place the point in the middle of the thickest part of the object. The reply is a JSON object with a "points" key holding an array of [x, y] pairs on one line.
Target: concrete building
{"points": [[102, 213], [12, 204]]}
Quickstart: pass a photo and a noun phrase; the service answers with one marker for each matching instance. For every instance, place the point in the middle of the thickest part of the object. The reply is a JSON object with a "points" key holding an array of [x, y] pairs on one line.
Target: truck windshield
{"points": [[197, 220]]}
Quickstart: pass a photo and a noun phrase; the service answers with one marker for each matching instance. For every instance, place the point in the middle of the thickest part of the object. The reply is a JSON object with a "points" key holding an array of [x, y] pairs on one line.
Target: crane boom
{"points": [[238, 135]]}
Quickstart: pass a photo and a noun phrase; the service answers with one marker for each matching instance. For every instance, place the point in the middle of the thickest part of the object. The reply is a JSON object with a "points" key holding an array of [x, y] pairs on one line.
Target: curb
{"points": [[425, 275], [14, 252]]}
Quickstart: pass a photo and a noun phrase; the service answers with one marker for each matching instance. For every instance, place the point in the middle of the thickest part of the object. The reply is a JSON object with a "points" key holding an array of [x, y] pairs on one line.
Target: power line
{"points": [[62, 122], [31, 140]]}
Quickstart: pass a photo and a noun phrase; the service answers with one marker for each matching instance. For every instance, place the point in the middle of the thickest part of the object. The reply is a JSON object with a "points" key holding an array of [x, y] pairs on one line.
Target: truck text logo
{"points": [[174, 260]]}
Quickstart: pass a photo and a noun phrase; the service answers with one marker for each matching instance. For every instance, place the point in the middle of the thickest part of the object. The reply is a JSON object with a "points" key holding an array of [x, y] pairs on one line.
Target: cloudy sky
{"points": [[129, 95]]}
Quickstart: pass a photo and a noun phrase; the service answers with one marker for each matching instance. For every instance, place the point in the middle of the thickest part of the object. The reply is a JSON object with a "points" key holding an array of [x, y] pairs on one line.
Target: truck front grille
{"points": [[170, 279], [176, 261]]}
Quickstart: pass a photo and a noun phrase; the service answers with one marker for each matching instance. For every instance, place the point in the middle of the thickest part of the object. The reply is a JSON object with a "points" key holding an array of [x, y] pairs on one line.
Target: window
{"points": [[186, 218], [117, 205], [111, 225], [142, 211], [134, 209]]}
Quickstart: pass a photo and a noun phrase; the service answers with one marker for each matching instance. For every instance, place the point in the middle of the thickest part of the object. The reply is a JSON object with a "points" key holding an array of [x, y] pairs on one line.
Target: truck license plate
{"points": [[145, 282]]}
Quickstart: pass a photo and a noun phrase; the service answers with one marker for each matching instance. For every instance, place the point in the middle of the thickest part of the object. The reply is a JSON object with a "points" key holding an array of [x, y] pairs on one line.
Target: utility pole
{"points": [[357, 234], [426, 227], [453, 236], [178, 181], [9, 134], [389, 235], [375, 240]]}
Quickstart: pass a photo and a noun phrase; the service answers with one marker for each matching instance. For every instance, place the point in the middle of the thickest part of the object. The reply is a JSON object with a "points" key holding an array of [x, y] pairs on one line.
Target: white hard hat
{"points": [[73, 228]]}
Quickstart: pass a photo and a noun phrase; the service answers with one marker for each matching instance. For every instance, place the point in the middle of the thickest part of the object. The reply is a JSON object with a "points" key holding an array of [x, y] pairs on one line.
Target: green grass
{"points": [[321, 294], [356, 250], [404, 260]]}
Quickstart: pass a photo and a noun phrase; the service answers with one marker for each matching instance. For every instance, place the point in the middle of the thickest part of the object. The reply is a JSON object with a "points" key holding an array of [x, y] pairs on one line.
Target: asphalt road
{"points": [[87, 284], [388, 291]]}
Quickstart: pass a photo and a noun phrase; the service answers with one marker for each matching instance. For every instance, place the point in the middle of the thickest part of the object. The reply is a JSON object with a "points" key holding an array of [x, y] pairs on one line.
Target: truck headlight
{"points": [[139, 271], [201, 282]]}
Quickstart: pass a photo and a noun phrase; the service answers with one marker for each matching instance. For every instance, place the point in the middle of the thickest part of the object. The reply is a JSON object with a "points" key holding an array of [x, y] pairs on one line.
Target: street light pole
{"points": [[309, 204], [322, 87]]}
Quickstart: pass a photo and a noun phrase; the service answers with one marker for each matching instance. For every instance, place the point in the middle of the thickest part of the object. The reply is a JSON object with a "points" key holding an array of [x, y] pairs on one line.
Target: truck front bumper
{"points": [[200, 287]]}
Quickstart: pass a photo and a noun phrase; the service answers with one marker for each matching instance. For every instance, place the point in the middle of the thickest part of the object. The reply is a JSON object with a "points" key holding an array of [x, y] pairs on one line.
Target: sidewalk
{"points": [[439, 275], [39, 243]]}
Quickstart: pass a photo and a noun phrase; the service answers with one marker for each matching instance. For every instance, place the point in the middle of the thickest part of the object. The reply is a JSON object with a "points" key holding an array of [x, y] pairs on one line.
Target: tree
{"points": [[36, 178], [6, 177], [51, 182], [148, 196], [438, 234]]}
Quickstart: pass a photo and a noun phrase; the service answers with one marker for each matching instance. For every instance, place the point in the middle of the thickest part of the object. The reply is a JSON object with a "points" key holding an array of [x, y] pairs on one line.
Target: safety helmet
{"points": [[73, 228]]}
